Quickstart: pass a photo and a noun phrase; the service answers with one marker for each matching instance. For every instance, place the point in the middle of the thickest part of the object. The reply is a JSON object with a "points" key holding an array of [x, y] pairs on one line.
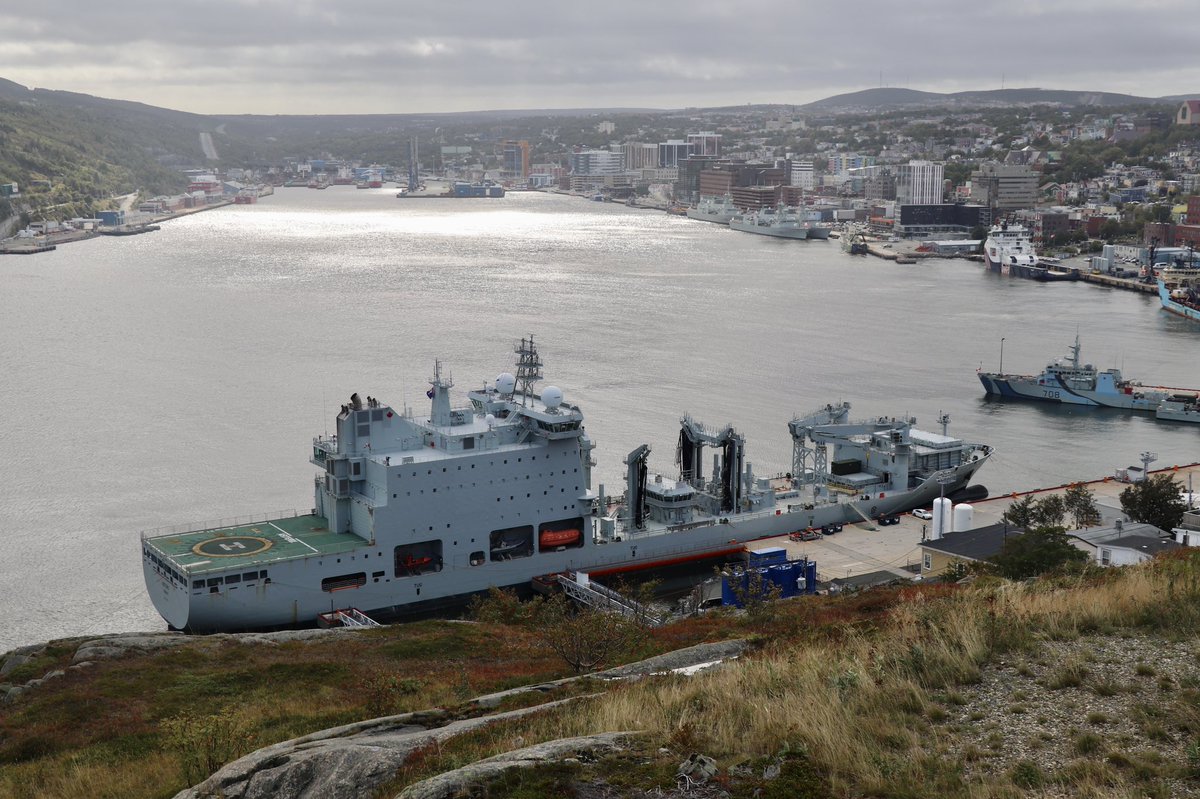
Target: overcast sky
{"points": [[397, 56]]}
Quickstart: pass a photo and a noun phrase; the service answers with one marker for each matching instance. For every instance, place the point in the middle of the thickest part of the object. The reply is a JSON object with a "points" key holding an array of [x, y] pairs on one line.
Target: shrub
{"points": [[203, 744]]}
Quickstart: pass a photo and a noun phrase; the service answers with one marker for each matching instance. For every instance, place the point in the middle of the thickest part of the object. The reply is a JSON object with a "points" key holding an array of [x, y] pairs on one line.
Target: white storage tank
{"points": [[941, 518], [964, 517]]}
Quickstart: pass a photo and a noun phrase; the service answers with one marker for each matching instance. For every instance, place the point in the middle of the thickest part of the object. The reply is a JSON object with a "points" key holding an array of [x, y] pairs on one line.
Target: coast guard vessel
{"points": [[412, 513], [1009, 251], [1071, 382]]}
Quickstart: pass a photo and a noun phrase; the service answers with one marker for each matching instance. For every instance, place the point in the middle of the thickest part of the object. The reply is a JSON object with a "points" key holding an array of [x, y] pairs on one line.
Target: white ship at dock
{"points": [[413, 513]]}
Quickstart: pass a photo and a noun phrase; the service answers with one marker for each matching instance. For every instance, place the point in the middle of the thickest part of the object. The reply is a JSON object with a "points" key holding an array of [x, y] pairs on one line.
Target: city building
{"points": [[1189, 113], [596, 162], [515, 159], [880, 183], [803, 174], [948, 219], [640, 156], [705, 143], [1004, 187], [674, 151], [919, 183]]}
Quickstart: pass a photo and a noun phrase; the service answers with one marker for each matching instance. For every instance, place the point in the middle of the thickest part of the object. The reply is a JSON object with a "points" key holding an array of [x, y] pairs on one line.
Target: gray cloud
{"points": [[303, 56]]}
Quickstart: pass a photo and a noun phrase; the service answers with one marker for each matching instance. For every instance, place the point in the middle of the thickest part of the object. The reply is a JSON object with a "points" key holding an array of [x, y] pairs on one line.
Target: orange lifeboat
{"points": [[552, 539]]}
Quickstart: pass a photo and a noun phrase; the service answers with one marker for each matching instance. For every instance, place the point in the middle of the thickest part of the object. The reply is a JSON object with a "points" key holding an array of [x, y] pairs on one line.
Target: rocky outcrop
{"points": [[343, 762], [454, 783]]}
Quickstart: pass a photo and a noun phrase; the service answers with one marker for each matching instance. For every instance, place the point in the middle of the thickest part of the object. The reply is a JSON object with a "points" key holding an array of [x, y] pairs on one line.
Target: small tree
{"points": [[757, 595], [1049, 511], [1040, 550], [1021, 513], [1081, 505], [584, 637], [1155, 500]]}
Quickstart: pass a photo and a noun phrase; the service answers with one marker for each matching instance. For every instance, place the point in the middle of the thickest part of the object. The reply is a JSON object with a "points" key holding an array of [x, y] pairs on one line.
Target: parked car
{"points": [[884, 521], [921, 513]]}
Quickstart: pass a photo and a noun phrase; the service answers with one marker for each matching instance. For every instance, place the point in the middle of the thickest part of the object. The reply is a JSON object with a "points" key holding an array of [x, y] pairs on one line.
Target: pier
{"points": [[861, 549]]}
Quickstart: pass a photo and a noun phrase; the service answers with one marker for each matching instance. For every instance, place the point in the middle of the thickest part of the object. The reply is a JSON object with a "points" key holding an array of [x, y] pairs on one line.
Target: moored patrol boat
{"points": [[412, 514]]}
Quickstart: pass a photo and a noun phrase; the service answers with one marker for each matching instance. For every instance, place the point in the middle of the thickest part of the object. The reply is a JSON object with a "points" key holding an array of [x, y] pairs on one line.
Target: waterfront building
{"points": [[515, 159], [596, 162]]}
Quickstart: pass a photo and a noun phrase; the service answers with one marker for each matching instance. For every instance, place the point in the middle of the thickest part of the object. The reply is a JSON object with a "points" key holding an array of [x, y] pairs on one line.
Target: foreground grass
{"points": [[858, 704], [101, 731], [852, 692]]}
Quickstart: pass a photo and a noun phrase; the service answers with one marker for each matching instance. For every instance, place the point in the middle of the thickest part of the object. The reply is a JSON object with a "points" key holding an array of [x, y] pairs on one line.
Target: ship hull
{"points": [[764, 230], [293, 596], [1030, 388], [1175, 307], [701, 216]]}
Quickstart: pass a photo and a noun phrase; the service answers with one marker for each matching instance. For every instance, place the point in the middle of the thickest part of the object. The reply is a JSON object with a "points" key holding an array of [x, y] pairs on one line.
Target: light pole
{"points": [[1002, 356]]}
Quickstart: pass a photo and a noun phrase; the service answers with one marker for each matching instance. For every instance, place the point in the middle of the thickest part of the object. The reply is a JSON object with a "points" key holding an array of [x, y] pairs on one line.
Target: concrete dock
{"points": [[859, 550]]}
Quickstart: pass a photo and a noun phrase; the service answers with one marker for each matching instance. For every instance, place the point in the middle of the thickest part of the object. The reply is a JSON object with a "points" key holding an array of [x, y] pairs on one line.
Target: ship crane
{"points": [[811, 464], [727, 466]]}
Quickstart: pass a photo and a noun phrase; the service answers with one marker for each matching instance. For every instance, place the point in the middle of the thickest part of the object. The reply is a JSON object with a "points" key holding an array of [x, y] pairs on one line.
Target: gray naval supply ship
{"points": [[413, 513]]}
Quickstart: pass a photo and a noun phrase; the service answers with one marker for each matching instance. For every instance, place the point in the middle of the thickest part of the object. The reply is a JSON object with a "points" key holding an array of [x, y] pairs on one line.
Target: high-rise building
{"points": [[705, 143], [919, 183], [1004, 187], [673, 152], [803, 174], [640, 156], [596, 162], [515, 160]]}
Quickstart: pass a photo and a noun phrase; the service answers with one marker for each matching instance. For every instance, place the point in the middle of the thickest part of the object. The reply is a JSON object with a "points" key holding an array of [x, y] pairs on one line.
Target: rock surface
{"points": [[348, 761], [454, 783], [353, 760]]}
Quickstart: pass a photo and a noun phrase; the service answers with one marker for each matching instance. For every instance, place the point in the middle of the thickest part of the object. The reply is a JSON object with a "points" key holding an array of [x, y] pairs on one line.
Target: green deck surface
{"points": [[219, 549]]}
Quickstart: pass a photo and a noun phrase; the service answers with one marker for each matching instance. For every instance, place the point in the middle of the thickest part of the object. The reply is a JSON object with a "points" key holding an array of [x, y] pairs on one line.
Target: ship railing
{"points": [[227, 523]]}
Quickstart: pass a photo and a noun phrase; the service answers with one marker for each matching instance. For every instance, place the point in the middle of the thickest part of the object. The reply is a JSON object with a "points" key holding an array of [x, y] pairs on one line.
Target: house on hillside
{"points": [[965, 547], [1122, 543], [1189, 113]]}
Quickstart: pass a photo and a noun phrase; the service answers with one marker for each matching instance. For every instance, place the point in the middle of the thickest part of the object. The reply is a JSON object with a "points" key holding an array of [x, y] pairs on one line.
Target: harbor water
{"points": [[181, 375]]}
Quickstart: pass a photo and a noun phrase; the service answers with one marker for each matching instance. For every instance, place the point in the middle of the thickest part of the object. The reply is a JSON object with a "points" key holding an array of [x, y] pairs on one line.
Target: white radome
{"points": [[505, 383], [552, 397]]}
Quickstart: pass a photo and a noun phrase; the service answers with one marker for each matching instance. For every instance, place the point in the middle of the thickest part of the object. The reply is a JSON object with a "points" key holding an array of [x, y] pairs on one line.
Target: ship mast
{"points": [[529, 368]]}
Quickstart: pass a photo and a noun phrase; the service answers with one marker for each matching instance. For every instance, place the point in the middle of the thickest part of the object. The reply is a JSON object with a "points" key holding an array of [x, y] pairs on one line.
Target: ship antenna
{"points": [[529, 368], [944, 420]]}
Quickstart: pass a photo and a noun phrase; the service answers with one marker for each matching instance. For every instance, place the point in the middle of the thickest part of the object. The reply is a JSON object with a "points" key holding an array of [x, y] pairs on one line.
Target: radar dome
{"points": [[505, 383], [490, 420], [552, 397]]}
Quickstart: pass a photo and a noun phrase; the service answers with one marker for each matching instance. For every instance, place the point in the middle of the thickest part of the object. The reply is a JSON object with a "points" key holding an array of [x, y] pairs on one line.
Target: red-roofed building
{"points": [[1189, 113]]}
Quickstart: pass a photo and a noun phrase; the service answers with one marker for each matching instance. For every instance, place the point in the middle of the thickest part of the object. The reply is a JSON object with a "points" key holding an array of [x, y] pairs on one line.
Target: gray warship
{"points": [[416, 513]]}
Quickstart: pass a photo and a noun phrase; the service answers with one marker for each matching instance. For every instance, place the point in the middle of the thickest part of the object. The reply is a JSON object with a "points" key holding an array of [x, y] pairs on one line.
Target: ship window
{"points": [[250, 576], [232, 578], [213, 581], [478, 558], [262, 574], [197, 583], [376, 575], [468, 443], [356, 468], [344, 581]]}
